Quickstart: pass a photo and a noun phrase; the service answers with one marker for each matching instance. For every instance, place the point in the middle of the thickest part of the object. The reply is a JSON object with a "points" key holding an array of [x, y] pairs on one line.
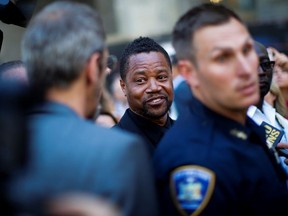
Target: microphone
{"points": [[273, 137]]}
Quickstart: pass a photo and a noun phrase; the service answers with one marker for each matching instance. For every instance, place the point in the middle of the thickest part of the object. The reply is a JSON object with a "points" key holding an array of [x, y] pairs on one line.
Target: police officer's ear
{"points": [[188, 70], [123, 86]]}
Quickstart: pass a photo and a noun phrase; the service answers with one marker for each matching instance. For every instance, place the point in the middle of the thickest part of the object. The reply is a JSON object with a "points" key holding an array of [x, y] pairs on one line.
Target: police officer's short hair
{"points": [[198, 17]]}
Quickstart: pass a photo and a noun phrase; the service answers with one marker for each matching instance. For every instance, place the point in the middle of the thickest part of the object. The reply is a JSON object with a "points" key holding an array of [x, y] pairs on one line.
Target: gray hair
{"points": [[59, 41]]}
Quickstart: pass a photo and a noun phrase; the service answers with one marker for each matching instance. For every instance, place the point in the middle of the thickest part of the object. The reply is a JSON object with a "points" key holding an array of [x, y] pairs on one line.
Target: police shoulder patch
{"points": [[191, 188]]}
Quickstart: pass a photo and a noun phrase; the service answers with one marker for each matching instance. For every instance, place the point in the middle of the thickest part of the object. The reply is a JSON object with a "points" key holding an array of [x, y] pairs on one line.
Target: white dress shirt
{"points": [[270, 116]]}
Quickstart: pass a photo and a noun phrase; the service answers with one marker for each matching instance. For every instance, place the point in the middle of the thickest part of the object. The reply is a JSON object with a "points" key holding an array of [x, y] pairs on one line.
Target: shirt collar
{"points": [[152, 131]]}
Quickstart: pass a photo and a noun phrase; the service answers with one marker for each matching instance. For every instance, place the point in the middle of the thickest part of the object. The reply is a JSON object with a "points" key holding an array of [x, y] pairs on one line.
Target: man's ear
{"points": [[188, 71], [93, 69], [123, 86]]}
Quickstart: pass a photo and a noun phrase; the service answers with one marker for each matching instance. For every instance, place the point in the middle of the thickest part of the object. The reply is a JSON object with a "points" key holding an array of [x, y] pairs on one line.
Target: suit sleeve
{"points": [[131, 176]]}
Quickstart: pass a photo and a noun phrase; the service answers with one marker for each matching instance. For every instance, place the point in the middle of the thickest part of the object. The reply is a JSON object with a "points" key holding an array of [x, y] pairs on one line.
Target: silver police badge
{"points": [[191, 188]]}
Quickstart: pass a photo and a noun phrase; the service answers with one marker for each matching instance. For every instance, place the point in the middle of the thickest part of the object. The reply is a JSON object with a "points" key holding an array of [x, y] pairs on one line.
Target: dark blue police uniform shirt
{"points": [[210, 165]]}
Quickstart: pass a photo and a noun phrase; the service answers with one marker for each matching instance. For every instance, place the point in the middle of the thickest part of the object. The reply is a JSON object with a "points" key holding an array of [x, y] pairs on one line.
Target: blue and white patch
{"points": [[191, 188]]}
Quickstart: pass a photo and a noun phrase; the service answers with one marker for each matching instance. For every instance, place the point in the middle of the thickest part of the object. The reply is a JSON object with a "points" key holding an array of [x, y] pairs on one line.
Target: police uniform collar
{"points": [[230, 126]]}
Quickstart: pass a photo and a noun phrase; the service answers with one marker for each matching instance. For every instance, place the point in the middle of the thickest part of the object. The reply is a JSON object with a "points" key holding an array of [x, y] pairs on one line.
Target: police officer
{"points": [[214, 160]]}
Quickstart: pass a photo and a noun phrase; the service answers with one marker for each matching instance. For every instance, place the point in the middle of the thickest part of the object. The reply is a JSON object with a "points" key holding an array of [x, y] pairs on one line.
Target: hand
{"points": [[280, 58], [283, 146], [81, 205]]}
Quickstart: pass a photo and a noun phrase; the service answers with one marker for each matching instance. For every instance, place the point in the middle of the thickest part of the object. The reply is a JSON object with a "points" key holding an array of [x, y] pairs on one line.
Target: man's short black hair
{"points": [[140, 45], [206, 14]]}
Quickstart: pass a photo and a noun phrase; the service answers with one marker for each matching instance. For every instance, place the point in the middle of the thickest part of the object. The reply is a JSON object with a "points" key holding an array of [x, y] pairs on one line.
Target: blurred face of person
{"points": [[148, 85], [224, 76], [96, 84], [265, 69], [281, 77]]}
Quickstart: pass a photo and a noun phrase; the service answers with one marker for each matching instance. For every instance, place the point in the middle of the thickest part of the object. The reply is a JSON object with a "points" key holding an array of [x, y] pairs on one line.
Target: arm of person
{"points": [[280, 58], [80, 204], [129, 181]]}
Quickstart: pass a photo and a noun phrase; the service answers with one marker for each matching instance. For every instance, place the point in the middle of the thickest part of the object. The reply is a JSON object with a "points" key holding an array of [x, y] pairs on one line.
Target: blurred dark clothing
{"points": [[248, 179], [13, 136], [67, 154], [149, 131], [18, 13], [182, 97]]}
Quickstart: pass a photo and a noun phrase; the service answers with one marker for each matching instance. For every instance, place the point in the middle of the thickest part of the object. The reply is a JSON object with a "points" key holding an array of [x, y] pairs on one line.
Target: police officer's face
{"points": [[225, 77], [148, 85]]}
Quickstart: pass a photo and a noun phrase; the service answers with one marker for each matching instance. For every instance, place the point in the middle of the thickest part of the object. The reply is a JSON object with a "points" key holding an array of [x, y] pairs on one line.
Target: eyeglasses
{"points": [[267, 65]]}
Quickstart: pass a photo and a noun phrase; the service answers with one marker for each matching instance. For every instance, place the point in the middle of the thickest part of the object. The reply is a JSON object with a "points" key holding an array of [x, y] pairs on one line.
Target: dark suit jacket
{"points": [[70, 154], [149, 131]]}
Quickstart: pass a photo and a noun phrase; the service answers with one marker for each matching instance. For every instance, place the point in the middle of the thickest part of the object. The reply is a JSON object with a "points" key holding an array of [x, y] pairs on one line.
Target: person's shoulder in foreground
{"points": [[65, 54], [75, 154], [200, 175], [220, 164]]}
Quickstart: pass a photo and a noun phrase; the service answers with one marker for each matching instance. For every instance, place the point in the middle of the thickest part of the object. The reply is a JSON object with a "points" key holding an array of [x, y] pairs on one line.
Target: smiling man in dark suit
{"points": [[146, 80]]}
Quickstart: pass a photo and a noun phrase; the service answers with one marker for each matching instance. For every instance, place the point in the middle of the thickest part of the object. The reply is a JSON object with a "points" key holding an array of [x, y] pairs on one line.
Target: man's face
{"points": [[148, 85], [225, 77], [265, 70]]}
